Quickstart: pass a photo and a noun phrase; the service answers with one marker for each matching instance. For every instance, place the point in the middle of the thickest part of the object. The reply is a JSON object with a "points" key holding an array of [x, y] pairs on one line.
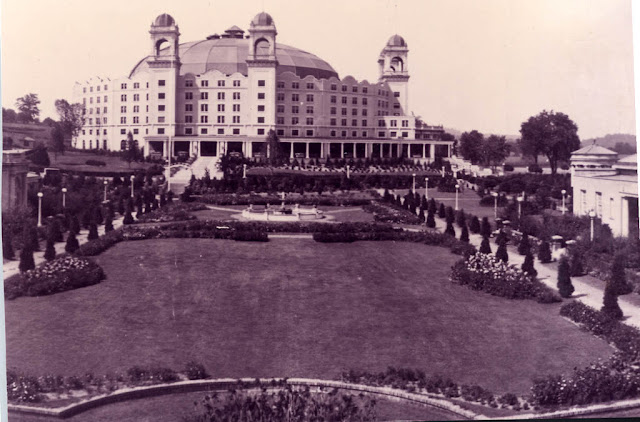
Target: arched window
{"points": [[262, 47], [397, 64], [159, 44]]}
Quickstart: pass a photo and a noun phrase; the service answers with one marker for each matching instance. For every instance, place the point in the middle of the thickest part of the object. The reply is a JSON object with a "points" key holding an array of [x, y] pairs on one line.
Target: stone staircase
{"points": [[181, 178]]}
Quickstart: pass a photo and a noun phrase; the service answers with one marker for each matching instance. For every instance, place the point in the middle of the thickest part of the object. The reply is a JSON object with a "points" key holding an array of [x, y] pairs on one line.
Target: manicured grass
{"points": [[291, 307]]}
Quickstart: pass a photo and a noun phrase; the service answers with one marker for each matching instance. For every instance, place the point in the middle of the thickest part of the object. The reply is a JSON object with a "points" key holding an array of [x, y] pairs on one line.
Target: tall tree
{"points": [[71, 117], [273, 149], [9, 115], [552, 134], [131, 153], [471, 146], [57, 139], [494, 150], [28, 108]]}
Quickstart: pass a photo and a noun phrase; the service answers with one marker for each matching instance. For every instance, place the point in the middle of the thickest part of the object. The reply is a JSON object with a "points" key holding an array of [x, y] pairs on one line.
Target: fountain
{"points": [[282, 213]]}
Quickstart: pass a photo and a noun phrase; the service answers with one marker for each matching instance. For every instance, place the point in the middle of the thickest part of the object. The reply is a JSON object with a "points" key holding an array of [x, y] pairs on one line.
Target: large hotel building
{"points": [[225, 93]]}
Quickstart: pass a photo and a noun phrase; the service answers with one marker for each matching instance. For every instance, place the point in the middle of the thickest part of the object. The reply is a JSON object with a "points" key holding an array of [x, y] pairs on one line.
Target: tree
{"points": [[464, 235], [524, 247], [108, 223], [618, 279], [485, 246], [450, 230], [26, 259], [471, 146], [502, 253], [527, 265], [565, 288], [30, 237], [494, 150], [431, 222], [610, 305], [72, 243], [432, 206], [50, 251], [485, 229], [54, 232], [450, 216], [49, 122], [441, 211], [71, 117], [131, 153], [474, 227], [544, 252], [9, 115], [552, 134], [57, 139], [273, 149], [93, 232], [27, 106], [39, 156], [75, 224], [461, 219]]}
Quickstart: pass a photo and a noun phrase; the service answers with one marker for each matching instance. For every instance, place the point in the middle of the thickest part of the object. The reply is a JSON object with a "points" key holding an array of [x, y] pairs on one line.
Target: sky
{"points": [[474, 64]]}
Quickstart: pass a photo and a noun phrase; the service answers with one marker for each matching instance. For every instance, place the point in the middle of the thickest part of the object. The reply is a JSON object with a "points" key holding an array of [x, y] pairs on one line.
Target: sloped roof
{"points": [[594, 149]]}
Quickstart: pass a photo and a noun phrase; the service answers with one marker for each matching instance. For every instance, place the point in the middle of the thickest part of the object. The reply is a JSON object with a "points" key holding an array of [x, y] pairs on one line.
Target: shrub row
{"points": [[278, 227], [489, 274], [59, 275], [250, 236], [179, 211], [22, 388], [101, 244], [392, 213], [624, 337]]}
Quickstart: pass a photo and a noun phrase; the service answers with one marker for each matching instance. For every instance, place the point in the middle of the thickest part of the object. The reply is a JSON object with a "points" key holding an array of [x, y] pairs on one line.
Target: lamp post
{"points": [[413, 190], [132, 179], [495, 204], [244, 171], [442, 171], [348, 171], [64, 198], [40, 209], [592, 216], [520, 199], [564, 208], [457, 188], [426, 188], [105, 190]]}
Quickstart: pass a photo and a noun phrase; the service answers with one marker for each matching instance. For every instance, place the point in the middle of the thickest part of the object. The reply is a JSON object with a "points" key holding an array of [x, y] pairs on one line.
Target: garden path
{"points": [[10, 268], [548, 273]]}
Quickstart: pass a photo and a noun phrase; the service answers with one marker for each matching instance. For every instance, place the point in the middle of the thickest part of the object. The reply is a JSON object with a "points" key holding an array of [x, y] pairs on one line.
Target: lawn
{"points": [[76, 161], [291, 307]]}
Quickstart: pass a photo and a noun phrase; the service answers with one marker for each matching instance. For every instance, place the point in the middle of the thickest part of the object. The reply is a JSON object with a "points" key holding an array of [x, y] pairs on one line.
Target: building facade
{"points": [[608, 186], [225, 93]]}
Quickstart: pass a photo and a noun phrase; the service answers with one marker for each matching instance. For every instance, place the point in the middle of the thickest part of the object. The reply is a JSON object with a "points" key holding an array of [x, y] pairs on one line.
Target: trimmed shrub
{"points": [[577, 267], [50, 251], [610, 305], [441, 211], [108, 223], [72, 243], [485, 228], [565, 288], [534, 168], [485, 246], [75, 224], [431, 222], [450, 215], [474, 227], [97, 246], [450, 230], [151, 375], [54, 232], [461, 219], [335, 237], [618, 279], [195, 371], [26, 259], [433, 208], [93, 232], [7, 245], [250, 236], [524, 247], [464, 235], [508, 167], [544, 252], [502, 253], [528, 265]]}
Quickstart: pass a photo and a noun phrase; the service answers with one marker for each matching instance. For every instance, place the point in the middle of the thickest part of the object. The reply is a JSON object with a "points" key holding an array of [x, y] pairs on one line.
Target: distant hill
{"points": [[626, 144], [457, 133], [40, 133]]}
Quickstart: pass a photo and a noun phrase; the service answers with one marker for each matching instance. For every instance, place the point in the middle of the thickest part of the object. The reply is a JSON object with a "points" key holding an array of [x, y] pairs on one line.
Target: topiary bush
{"points": [[565, 287], [524, 247], [485, 246], [474, 227], [502, 253], [544, 252]]}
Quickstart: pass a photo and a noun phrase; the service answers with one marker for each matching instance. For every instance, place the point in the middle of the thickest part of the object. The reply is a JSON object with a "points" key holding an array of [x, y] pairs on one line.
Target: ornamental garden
{"points": [[407, 289]]}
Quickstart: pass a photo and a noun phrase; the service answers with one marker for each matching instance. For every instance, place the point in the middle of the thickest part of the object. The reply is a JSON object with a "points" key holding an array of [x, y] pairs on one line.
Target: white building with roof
{"points": [[225, 93], [607, 185]]}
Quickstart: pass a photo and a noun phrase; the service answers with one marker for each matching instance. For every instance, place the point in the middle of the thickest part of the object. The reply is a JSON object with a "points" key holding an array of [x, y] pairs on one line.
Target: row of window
{"points": [[84, 90], [334, 87], [104, 144], [220, 131], [189, 83], [221, 119], [205, 95]]}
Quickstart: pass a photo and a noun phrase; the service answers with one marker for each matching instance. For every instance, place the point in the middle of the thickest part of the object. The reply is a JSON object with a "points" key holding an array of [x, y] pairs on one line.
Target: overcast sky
{"points": [[474, 64]]}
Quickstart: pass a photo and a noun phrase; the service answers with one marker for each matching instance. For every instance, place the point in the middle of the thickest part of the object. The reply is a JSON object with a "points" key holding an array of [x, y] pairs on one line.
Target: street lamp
{"points": [[132, 179], [244, 171], [106, 183], [442, 171], [495, 204], [457, 188], [426, 188], [564, 208], [64, 198], [348, 171], [414, 183], [40, 209], [592, 216], [520, 199]]}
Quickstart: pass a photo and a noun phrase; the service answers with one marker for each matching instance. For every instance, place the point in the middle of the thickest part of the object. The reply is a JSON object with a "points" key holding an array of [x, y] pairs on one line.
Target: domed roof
{"points": [[396, 41], [262, 19], [164, 20], [229, 55]]}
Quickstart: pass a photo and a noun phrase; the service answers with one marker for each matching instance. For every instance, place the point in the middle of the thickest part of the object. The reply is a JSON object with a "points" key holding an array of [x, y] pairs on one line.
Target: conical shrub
{"points": [[565, 287]]}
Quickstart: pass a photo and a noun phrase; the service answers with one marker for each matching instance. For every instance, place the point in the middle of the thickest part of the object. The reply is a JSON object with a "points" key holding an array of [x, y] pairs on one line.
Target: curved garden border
{"points": [[225, 384]]}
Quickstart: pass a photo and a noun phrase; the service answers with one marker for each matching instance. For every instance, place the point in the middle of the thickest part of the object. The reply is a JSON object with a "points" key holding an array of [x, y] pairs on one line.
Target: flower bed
{"points": [[179, 211], [389, 213], [323, 200], [59, 275], [101, 244], [487, 273]]}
